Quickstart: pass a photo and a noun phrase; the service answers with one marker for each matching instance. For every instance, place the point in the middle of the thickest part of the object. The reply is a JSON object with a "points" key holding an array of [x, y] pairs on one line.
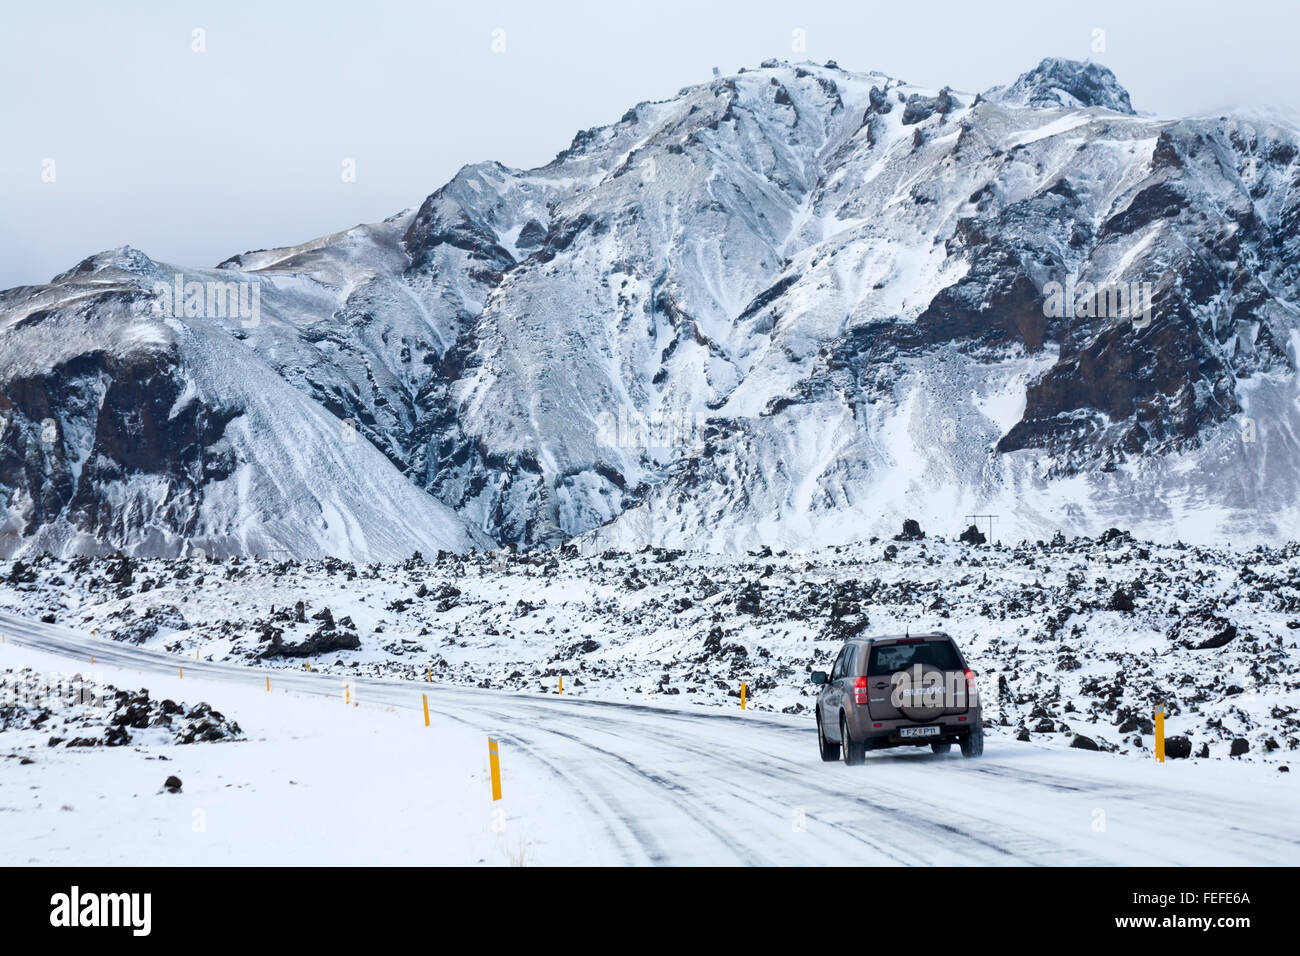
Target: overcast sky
{"points": [[194, 156]]}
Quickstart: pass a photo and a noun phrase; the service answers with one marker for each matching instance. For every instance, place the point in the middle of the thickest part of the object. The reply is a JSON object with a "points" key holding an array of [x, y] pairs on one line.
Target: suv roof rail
{"points": [[867, 638]]}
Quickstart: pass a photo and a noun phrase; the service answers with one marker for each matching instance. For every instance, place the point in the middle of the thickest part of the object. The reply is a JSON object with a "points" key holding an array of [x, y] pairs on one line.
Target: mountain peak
{"points": [[124, 258], [1057, 82]]}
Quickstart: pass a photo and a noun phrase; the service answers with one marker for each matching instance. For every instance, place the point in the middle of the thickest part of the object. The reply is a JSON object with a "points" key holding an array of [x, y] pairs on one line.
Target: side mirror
{"points": [[819, 677]]}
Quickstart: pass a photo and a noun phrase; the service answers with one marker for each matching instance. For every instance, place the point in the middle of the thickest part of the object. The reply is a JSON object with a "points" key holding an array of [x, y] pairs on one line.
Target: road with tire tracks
{"points": [[680, 785]]}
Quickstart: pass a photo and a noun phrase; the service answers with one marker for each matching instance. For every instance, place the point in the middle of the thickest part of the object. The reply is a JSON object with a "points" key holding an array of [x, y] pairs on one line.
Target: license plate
{"points": [[919, 731]]}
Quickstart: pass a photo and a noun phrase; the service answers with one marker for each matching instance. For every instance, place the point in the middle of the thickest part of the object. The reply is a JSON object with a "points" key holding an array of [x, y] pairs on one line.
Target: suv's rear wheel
{"points": [[830, 751], [941, 747], [972, 745], [853, 751]]}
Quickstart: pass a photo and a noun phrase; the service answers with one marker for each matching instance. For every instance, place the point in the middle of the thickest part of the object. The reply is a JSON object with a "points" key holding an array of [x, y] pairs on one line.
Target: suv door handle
{"points": [[882, 685]]}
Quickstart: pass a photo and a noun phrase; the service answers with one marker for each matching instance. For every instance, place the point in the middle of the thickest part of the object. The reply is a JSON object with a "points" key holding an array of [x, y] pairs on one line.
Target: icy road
{"points": [[652, 784]]}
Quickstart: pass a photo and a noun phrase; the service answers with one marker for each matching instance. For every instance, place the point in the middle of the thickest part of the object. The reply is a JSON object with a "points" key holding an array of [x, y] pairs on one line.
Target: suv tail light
{"points": [[860, 691], [970, 687]]}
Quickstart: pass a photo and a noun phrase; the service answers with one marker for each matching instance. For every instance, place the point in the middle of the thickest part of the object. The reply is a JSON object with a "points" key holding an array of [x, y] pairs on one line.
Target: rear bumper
{"points": [[888, 733]]}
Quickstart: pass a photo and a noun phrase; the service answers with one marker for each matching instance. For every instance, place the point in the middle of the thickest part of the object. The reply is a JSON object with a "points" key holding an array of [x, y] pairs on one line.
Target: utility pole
{"points": [[975, 518]]}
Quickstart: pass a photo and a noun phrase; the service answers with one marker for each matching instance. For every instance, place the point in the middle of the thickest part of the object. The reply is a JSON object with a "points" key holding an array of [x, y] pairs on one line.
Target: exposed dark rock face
{"points": [[329, 636], [155, 619], [1202, 629], [911, 531], [131, 425], [123, 426], [1058, 82], [455, 216], [1121, 600], [1152, 382], [205, 725], [1149, 383], [919, 108]]}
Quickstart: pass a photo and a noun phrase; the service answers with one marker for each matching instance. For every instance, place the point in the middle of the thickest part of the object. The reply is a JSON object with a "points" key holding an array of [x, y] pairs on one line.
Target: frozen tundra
{"points": [[898, 690]]}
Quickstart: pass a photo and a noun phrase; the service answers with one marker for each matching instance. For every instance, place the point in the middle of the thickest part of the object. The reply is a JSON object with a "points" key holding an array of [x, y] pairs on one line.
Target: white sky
{"points": [[193, 157]]}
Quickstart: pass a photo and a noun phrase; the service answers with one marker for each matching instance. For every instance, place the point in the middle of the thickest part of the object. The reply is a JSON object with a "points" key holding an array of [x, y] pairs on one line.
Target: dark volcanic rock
{"points": [[1060, 82], [1202, 629], [911, 531], [1121, 600], [130, 405], [322, 642]]}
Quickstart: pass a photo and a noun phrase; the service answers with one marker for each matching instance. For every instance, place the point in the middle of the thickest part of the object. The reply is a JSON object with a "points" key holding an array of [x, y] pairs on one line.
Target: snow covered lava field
{"points": [[1075, 643]]}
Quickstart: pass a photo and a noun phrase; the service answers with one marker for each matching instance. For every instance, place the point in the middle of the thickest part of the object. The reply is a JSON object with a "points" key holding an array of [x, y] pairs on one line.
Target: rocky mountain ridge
{"points": [[832, 286]]}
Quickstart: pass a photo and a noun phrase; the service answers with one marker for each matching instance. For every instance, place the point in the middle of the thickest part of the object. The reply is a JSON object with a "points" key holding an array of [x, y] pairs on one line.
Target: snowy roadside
{"points": [[316, 782]]}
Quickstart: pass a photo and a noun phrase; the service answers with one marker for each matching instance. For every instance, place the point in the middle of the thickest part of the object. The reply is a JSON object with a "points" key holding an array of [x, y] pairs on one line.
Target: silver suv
{"points": [[898, 690]]}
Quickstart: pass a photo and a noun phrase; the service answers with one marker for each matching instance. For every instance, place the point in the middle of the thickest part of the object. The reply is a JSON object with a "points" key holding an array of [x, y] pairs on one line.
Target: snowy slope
{"points": [[166, 434]]}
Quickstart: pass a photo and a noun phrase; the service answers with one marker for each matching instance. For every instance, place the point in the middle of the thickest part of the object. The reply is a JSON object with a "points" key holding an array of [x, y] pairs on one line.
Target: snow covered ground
{"points": [[1071, 639], [647, 756], [586, 781], [317, 782]]}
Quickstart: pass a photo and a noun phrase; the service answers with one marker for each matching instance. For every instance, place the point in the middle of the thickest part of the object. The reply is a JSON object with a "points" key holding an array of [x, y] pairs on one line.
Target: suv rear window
{"points": [[891, 658]]}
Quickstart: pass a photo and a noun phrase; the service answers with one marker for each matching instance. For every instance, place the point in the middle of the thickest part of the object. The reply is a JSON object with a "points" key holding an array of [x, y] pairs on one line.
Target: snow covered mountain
{"points": [[788, 307], [119, 428]]}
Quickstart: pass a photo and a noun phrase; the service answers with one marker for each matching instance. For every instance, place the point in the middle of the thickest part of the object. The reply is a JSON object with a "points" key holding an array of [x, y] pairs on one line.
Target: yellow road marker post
{"points": [[561, 683], [495, 762], [347, 695], [742, 695], [268, 683], [426, 709], [1160, 733], [182, 672], [428, 676]]}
